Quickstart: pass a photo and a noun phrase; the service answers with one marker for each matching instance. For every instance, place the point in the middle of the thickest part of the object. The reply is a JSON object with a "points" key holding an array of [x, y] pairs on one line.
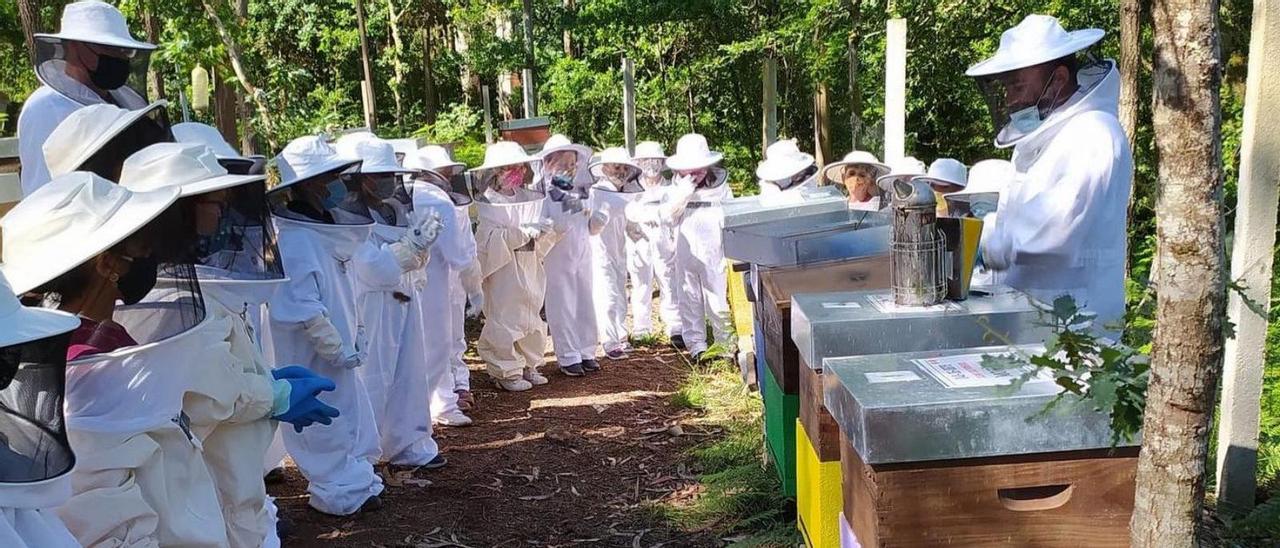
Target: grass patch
{"points": [[741, 498]]}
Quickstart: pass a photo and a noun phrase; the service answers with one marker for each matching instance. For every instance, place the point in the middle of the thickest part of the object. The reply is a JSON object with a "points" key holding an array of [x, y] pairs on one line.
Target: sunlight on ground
{"points": [[596, 399]]}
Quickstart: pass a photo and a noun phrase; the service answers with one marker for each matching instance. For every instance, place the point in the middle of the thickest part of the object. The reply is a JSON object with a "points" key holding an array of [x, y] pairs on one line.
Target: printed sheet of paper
{"points": [[884, 303], [879, 377], [966, 371], [841, 306]]}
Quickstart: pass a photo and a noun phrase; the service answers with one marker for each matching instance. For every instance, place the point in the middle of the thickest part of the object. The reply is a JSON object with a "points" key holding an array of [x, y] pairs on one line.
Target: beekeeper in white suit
{"points": [[389, 277], [313, 320], [1061, 228], [90, 60], [513, 238], [786, 172], [699, 187], [35, 457], [238, 265], [571, 313], [452, 254], [652, 250], [616, 187]]}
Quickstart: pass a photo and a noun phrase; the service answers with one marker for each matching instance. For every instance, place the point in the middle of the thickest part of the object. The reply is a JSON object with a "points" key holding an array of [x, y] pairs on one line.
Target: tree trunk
{"points": [[233, 53], [821, 125], [155, 80], [570, 7], [29, 13], [855, 91], [225, 111], [1190, 309], [367, 93], [431, 101], [397, 62], [468, 80], [1130, 64]]}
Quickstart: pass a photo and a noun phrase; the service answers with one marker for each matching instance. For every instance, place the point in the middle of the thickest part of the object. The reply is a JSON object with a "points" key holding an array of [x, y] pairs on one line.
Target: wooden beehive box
{"points": [[777, 287], [1068, 500], [824, 432]]}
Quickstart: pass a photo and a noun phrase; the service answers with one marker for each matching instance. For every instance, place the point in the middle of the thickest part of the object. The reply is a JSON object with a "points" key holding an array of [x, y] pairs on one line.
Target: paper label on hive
{"points": [[966, 371], [884, 303], [878, 377], [841, 306]]}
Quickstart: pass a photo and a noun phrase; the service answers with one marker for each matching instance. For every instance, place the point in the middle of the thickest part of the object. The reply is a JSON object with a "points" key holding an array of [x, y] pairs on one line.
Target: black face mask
{"points": [[112, 72], [139, 281]]}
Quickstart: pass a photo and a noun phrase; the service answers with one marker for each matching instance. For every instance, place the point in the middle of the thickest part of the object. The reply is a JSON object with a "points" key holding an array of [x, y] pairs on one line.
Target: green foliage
{"points": [[458, 123], [741, 496], [1111, 378]]}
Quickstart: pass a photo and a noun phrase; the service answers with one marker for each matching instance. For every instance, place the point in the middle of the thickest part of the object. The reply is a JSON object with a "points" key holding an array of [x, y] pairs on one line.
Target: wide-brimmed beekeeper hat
{"points": [[192, 169], [377, 156], [95, 22], [783, 160], [946, 171], [70, 220], [833, 172], [309, 157], [615, 156], [503, 154], [693, 152], [904, 170], [87, 131], [1037, 39]]}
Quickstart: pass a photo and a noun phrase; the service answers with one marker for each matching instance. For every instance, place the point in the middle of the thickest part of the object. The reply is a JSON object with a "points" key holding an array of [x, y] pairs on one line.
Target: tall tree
{"points": [[29, 13], [431, 99], [1130, 48], [1186, 358], [237, 64], [397, 58], [366, 90]]}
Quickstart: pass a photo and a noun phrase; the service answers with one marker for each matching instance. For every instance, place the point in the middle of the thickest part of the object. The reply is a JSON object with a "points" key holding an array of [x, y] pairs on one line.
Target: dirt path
{"points": [[575, 462]]}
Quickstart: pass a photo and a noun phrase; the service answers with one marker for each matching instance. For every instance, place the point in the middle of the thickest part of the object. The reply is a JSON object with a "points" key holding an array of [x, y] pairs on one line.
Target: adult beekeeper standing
{"points": [[512, 240], [313, 321], [571, 313], [651, 254], [616, 187], [92, 59], [1061, 228], [699, 187]]}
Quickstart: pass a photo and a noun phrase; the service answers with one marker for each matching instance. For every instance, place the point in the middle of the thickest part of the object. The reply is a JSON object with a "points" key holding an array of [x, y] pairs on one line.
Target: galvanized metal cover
{"points": [[892, 410], [756, 209], [810, 238], [859, 323]]}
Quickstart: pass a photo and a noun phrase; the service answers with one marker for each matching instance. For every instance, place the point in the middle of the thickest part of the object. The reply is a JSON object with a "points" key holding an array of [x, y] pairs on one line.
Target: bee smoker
{"points": [[917, 249]]}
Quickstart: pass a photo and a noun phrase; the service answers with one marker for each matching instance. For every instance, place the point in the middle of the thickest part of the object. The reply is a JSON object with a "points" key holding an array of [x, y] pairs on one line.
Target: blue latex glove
{"points": [[294, 402]]}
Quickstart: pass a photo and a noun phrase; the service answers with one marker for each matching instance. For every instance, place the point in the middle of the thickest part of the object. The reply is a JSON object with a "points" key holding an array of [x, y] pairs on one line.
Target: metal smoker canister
{"points": [[917, 262]]}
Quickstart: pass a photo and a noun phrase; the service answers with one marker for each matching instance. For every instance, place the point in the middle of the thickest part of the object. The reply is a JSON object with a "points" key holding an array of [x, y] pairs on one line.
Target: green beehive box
{"points": [[780, 412]]}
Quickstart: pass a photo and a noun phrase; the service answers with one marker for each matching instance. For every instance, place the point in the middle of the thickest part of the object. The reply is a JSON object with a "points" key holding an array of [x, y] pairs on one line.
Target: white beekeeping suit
{"points": [[453, 253], [314, 323], [239, 268], [699, 189], [651, 252], [35, 457], [571, 313], [785, 173], [512, 241], [140, 477], [389, 276], [616, 188], [1061, 227], [93, 33]]}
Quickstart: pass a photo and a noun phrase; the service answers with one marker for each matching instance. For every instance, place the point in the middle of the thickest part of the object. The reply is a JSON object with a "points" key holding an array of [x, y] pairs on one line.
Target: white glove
{"points": [[683, 187], [425, 232], [475, 305], [328, 343], [413, 249], [537, 229], [350, 361]]}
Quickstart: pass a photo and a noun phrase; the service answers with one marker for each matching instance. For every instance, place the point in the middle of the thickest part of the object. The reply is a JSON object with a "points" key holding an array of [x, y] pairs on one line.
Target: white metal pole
{"points": [[895, 92], [488, 118], [1251, 256], [629, 104]]}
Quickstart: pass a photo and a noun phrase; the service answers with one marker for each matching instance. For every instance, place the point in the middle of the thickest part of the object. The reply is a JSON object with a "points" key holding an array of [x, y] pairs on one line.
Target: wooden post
{"points": [[1251, 256], [895, 92], [821, 125], [769, 123], [488, 117], [529, 86], [430, 100], [370, 110], [629, 104]]}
